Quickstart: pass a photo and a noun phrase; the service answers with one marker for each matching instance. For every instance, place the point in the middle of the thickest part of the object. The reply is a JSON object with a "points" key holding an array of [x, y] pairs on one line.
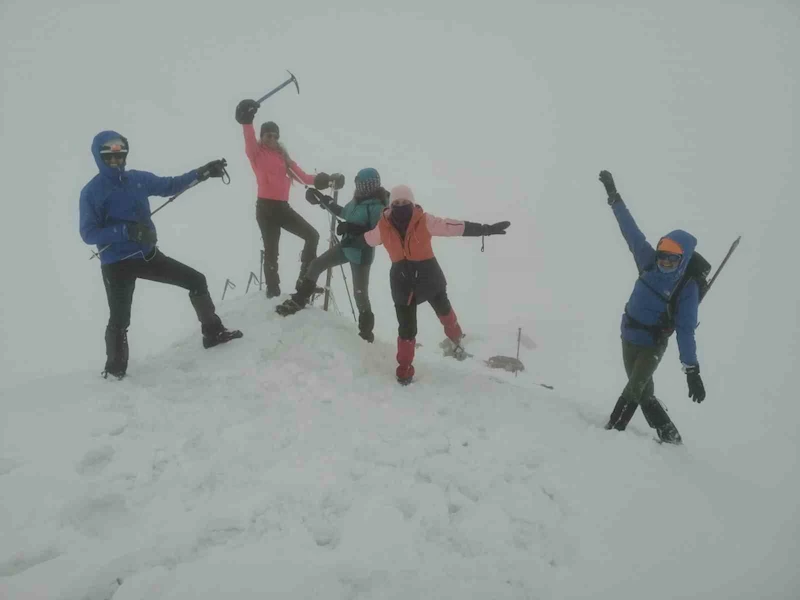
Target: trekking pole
{"points": [[249, 281], [352, 310], [519, 340], [280, 87], [228, 284], [329, 275]]}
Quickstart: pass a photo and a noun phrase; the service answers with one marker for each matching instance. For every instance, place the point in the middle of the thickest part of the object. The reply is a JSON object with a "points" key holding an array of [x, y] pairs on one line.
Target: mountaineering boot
{"points": [[366, 323], [454, 336], [214, 333], [271, 279], [659, 420], [298, 300], [621, 415], [405, 356], [116, 352]]}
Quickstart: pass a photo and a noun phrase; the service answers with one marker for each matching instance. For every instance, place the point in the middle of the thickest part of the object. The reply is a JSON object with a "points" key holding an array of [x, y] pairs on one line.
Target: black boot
{"points": [[116, 352], [366, 323], [272, 280], [214, 332], [621, 415], [659, 420], [298, 300]]}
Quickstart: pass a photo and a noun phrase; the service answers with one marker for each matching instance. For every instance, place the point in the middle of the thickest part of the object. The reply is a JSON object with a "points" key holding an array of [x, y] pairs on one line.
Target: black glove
{"points": [[322, 181], [697, 392], [216, 168], [246, 111], [141, 233], [343, 228], [611, 189], [477, 229], [337, 181]]}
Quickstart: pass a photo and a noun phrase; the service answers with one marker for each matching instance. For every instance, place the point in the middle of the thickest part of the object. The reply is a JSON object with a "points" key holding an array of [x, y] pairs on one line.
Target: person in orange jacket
{"points": [[406, 230]]}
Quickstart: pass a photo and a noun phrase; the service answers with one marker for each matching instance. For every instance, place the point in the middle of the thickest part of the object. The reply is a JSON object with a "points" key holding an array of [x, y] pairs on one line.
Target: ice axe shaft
{"points": [[280, 87]]}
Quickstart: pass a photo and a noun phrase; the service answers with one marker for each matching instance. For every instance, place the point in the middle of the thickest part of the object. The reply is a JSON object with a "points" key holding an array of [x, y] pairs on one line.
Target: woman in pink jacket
{"points": [[275, 171]]}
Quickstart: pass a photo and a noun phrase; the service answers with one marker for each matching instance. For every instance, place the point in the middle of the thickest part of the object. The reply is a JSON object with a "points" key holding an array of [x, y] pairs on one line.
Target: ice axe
{"points": [[291, 79]]}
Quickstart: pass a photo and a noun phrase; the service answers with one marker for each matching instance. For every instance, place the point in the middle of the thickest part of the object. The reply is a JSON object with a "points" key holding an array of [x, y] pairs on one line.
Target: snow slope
{"points": [[289, 464]]}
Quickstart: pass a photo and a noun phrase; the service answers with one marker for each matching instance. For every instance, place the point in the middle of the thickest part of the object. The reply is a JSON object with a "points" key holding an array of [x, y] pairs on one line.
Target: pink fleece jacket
{"points": [[269, 166]]}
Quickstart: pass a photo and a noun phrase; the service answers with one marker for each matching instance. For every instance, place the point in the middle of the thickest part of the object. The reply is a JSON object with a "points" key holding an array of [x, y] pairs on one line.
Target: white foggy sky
{"points": [[489, 112]]}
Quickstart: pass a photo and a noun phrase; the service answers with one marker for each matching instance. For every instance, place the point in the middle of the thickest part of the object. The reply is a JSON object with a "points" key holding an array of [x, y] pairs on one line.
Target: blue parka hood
{"points": [[100, 139]]}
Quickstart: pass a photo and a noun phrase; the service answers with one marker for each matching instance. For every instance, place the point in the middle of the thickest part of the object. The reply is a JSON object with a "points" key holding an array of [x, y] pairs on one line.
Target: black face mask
{"points": [[401, 216]]}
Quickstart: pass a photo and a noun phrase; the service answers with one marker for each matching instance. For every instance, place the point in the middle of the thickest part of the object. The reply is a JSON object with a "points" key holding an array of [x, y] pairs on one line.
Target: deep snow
{"points": [[289, 464]]}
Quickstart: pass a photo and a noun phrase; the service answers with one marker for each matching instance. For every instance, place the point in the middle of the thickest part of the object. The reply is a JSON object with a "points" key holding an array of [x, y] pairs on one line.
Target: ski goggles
{"points": [[668, 258], [115, 146]]}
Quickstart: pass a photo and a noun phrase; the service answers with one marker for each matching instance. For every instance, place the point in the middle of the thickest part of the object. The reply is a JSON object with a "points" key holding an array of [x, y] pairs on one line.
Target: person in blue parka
{"points": [[663, 300], [115, 216], [361, 214]]}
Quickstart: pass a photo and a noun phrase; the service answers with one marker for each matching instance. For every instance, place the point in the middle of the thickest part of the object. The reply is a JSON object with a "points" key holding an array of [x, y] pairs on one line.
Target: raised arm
{"points": [[642, 251], [250, 141]]}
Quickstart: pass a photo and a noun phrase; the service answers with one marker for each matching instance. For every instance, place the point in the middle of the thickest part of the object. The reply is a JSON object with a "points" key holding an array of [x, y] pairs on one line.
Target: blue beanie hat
{"points": [[367, 182]]}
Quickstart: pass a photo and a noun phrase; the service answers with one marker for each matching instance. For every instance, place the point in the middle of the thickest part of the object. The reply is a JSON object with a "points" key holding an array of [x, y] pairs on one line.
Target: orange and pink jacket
{"points": [[417, 243], [270, 168]]}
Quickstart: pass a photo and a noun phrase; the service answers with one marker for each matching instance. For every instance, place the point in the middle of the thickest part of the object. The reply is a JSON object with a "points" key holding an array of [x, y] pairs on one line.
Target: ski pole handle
{"points": [[280, 87]]}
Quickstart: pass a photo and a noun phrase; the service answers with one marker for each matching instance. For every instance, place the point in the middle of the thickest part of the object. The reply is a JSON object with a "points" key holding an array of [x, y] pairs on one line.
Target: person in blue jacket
{"points": [[115, 216], [651, 315], [361, 214]]}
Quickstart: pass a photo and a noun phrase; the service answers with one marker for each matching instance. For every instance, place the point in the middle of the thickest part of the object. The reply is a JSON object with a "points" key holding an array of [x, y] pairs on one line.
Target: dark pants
{"points": [[272, 217], [407, 314], [120, 281], [334, 257], [641, 363]]}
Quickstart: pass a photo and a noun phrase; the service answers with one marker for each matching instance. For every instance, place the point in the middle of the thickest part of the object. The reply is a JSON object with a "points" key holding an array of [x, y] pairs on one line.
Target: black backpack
{"points": [[698, 269]]}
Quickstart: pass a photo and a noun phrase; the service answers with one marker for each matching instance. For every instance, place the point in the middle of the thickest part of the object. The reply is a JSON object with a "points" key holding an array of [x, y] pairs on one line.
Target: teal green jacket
{"points": [[361, 211]]}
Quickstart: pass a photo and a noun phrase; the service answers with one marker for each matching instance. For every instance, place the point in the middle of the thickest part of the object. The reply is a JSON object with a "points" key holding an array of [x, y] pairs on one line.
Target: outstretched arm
{"points": [[299, 174], [167, 186], [373, 237]]}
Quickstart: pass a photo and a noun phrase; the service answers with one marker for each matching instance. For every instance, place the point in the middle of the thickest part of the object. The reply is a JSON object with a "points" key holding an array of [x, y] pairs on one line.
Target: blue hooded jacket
{"points": [[114, 198], [653, 290]]}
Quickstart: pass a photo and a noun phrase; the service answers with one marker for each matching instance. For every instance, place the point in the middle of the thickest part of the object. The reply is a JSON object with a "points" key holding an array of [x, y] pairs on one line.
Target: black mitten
{"points": [[216, 168], [322, 181], [477, 229], [611, 188], [246, 111]]}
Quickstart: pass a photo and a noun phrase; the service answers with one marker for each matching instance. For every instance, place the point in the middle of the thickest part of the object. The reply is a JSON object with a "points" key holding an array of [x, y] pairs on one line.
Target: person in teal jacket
{"points": [[361, 214]]}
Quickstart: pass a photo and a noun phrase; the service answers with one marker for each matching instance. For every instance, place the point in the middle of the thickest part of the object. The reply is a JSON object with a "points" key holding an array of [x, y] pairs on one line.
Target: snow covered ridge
{"points": [[289, 464]]}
